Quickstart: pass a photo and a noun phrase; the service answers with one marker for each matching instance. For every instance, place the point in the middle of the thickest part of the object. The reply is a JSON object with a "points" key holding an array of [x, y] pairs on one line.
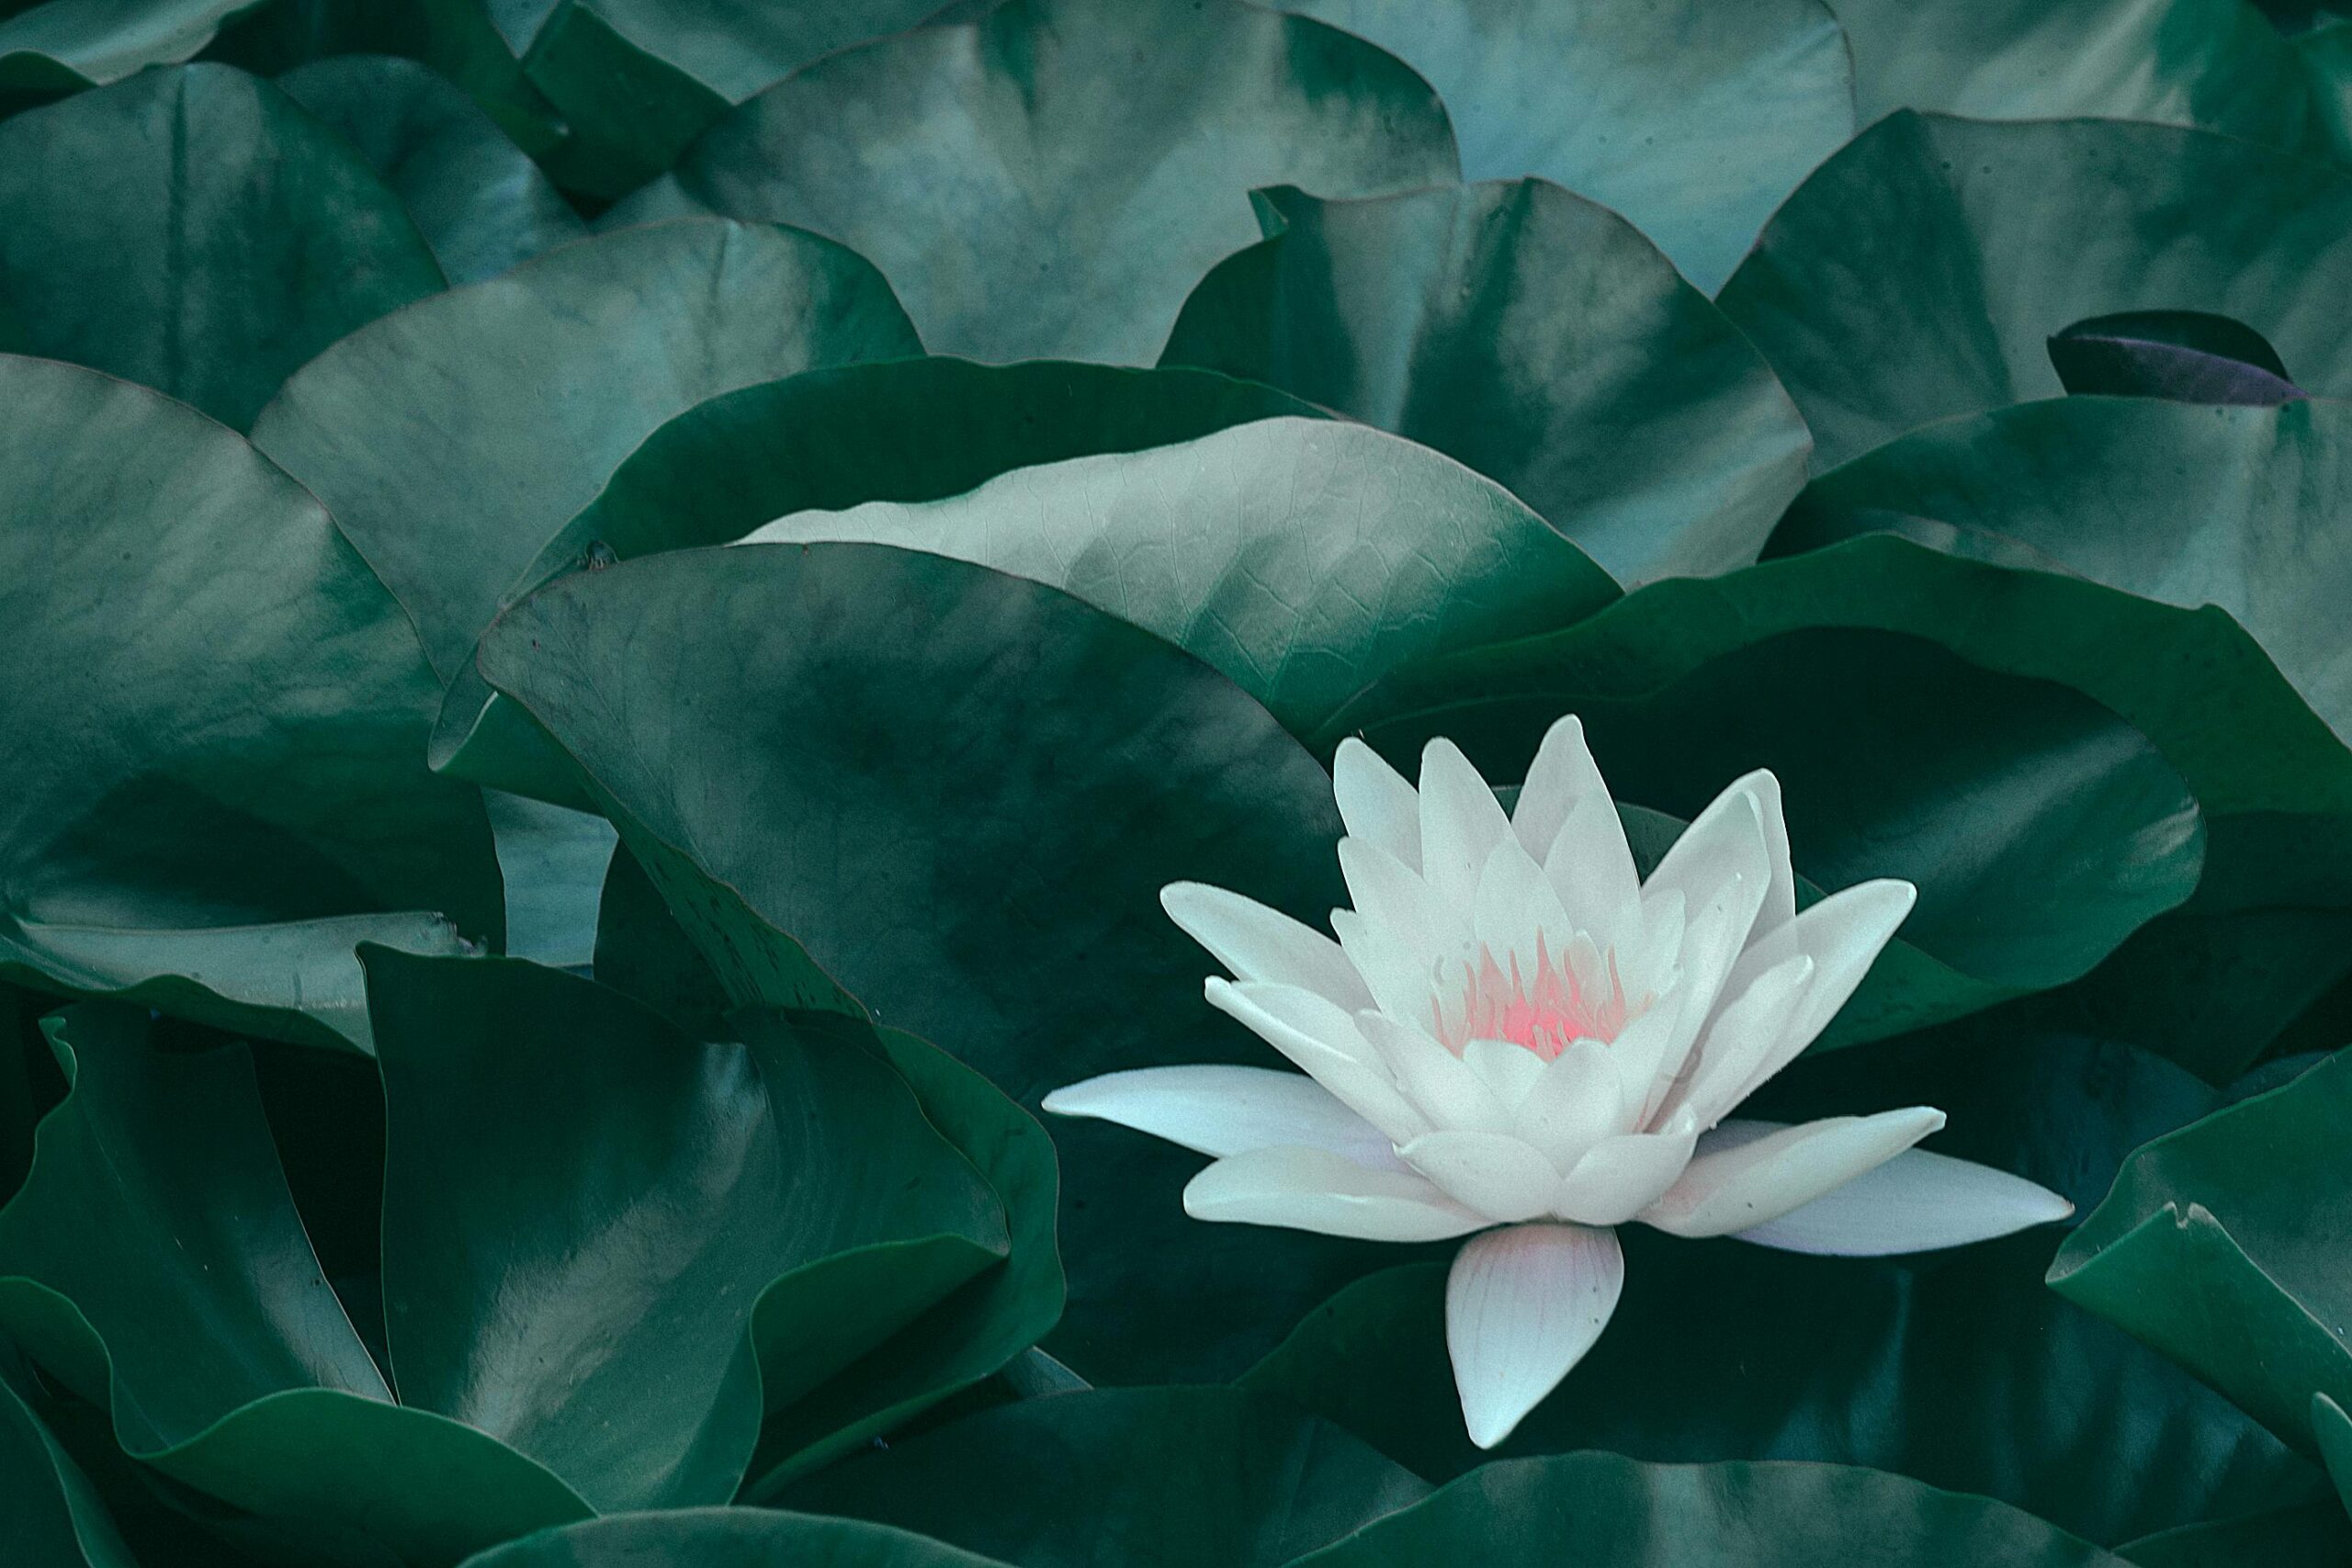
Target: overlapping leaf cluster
{"points": [[615, 610]]}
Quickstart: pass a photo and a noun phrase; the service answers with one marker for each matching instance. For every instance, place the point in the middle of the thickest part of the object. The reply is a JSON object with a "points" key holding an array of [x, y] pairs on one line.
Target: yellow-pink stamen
{"points": [[1545, 1017]]}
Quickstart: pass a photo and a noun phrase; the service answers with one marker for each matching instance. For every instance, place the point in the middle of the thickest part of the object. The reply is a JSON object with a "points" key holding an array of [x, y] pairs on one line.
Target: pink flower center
{"points": [[1544, 1012]]}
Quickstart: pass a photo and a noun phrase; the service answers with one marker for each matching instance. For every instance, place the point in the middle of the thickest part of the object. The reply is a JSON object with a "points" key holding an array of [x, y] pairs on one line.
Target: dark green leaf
{"points": [[1692, 119], [1305, 559], [1048, 181], [2039, 829], [1604, 1511], [2221, 1246], [54, 1518], [912, 430], [63, 46], [2215, 64], [592, 1224], [1532, 334], [224, 789], [726, 1537], [2308, 1535], [1031, 773], [481, 204], [640, 79], [554, 861], [1920, 273], [154, 1264], [433, 434], [1152, 1477], [193, 229]]}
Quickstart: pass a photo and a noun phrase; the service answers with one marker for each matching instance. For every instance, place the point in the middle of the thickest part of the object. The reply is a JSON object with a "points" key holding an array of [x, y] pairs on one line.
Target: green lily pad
{"points": [[726, 1537], [2041, 829], [431, 436], [481, 203], [1919, 274], [554, 861], [1305, 559], [1532, 334], [54, 1517], [1611, 1512], [192, 229], [2308, 1535], [201, 1322], [219, 807], [1176, 1477], [1048, 180], [2186, 357], [910, 430], [2215, 64], [1031, 773], [1959, 1369], [2325, 54], [640, 79], [733, 1176], [1692, 119], [2220, 1246], [2333, 1428], [2237, 507], [63, 46], [608, 1251]]}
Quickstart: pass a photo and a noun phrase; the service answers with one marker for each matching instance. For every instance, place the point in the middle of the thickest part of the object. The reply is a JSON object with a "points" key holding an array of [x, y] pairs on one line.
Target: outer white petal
{"points": [[1394, 971], [1461, 824], [1258, 943], [1578, 1102], [1223, 1110], [1315, 1189], [1321, 1041], [1621, 1176], [1843, 935], [1916, 1202], [1591, 868], [1746, 1032], [1493, 1173], [1741, 1180], [1522, 1306], [1443, 1090], [1727, 839], [1376, 803], [1780, 898], [1562, 777]]}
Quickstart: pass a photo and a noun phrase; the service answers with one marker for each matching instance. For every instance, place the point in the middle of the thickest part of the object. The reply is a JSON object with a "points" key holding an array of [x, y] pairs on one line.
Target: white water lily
{"points": [[1515, 1036]]}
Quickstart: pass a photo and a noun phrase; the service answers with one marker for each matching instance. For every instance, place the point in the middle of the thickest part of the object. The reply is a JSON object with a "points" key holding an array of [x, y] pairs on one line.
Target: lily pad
{"points": [[2237, 507], [1048, 180], [726, 1537], [908, 429], [1919, 274], [1990, 791], [641, 78], [1692, 119], [1176, 1477], [54, 1515], [1305, 559], [2221, 1244], [63, 46], [1031, 773], [1532, 334], [2308, 1535], [192, 229], [2215, 64], [1611, 1512], [481, 203], [213, 811], [430, 435]]}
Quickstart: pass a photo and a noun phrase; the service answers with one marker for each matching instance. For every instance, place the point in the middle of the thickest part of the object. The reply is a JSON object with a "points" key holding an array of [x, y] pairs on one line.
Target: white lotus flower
{"points": [[1516, 1036]]}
